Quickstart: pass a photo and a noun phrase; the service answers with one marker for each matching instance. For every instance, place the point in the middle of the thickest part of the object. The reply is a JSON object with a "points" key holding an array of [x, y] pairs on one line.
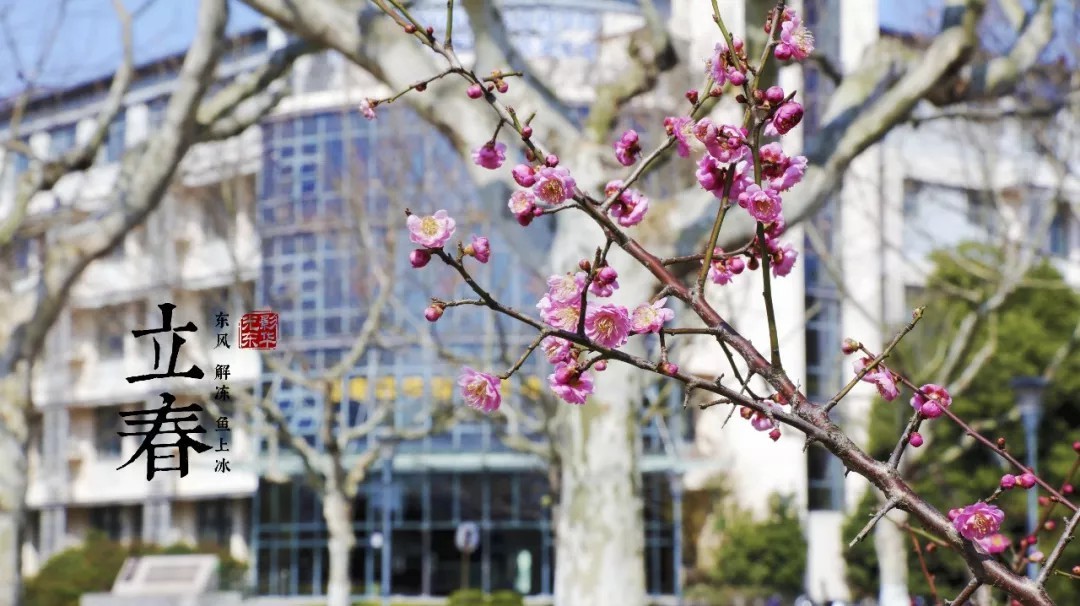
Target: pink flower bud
{"points": [[474, 91], [774, 435], [419, 258], [774, 94], [502, 86], [787, 116], [1076, 446], [600, 366], [782, 52], [1043, 501], [607, 275], [526, 132], [433, 313], [1050, 525], [849, 346], [1067, 489], [1025, 480], [746, 412], [584, 265], [1036, 557], [524, 175], [916, 439], [692, 95], [1008, 481], [668, 368], [551, 160]]}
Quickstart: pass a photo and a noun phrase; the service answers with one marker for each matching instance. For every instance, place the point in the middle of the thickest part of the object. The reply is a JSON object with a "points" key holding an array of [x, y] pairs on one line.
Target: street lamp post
{"points": [[1029, 393]]}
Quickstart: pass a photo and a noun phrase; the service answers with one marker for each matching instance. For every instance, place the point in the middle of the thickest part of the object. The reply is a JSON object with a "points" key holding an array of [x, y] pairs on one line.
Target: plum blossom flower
{"points": [[557, 350], [796, 42], [628, 148], [491, 155], [566, 288], [710, 175], [367, 108], [719, 66], [763, 422], [554, 185], [650, 318], [724, 270], [564, 316], [933, 404], [782, 171], [524, 175], [978, 521], [631, 205], [479, 248], [726, 143], [763, 204], [782, 258], [481, 390], [787, 117], [995, 543], [570, 384], [682, 128], [884, 379], [432, 231], [608, 325], [522, 204], [605, 282]]}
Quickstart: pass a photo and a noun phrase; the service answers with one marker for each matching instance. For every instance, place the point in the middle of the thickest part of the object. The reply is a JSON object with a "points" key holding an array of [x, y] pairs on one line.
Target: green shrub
{"points": [[93, 566], [467, 597], [506, 597], [762, 558]]}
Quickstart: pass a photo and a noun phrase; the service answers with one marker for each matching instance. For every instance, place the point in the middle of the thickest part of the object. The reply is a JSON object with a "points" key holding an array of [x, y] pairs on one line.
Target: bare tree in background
{"points": [[193, 116]]}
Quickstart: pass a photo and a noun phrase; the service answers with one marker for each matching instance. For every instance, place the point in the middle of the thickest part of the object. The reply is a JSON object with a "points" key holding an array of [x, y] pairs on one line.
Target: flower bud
{"points": [[930, 547], [524, 175], [419, 258], [741, 98], [410, 28], [774, 94], [1076, 446], [430, 31], [1001, 443], [537, 211], [1067, 489], [746, 412], [1076, 570], [530, 156], [850, 346], [774, 435], [1036, 557], [1031, 539], [524, 219], [421, 87], [1008, 481], [669, 369], [551, 160], [474, 91], [692, 96], [526, 132], [1050, 525], [600, 366], [607, 275], [916, 439], [759, 95], [501, 85], [1025, 480], [1043, 501], [433, 312], [584, 265], [716, 92]]}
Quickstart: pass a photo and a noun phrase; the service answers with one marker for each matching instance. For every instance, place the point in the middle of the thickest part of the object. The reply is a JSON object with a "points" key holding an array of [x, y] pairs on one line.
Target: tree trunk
{"points": [[337, 510], [13, 482], [892, 546]]}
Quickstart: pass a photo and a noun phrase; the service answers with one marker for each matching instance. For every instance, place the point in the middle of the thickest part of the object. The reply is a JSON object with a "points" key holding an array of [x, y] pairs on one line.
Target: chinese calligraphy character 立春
{"points": [[166, 326], [259, 330], [161, 416]]}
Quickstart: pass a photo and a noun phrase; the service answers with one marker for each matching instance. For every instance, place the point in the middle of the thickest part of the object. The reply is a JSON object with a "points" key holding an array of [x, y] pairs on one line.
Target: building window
{"points": [[1058, 238], [155, 112], [114, 143], [111, 322], [107, 520], [213, 521], [107, 422], [62, 140], [825, 480]]}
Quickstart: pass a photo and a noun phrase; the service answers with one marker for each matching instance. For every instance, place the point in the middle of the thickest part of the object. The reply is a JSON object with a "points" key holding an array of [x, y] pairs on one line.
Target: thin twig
{"points": [[1055, 555]]}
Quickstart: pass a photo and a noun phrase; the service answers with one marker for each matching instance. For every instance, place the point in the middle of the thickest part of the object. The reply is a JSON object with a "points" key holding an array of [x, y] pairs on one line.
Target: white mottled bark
{"points": [[13, 482], [337, 510]]}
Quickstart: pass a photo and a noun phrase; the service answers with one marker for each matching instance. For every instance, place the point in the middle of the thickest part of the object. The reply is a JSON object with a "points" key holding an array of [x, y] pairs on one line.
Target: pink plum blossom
{"points": [[787, 117], [724, 270], [884, 379], [480, 248], [564, 316], [524, 175], [608, 325], [719, 66], [782, 259], [763, 204], [993, 544], [481, 390], [475, 91], [367, 108], [522, 204], [567, 287], [682, 128], [570, 384], [432, 231], [796, 42], [491, 155], [554, 185], [557, 350], [933, 404], [650, 318], [782, 171], [726, 143], [628, 148], [605, 282], [630, 207], [978, 521]]}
